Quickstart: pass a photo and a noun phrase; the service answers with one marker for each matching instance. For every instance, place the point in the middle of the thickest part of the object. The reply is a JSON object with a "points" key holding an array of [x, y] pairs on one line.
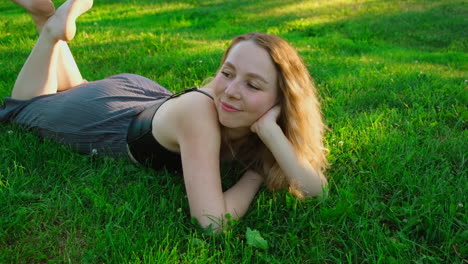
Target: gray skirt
{"points": [[92, 118]]}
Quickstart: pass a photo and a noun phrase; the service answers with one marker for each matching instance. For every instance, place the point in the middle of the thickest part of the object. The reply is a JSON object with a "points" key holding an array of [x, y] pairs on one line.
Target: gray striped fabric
{"points": [[92, 118]]}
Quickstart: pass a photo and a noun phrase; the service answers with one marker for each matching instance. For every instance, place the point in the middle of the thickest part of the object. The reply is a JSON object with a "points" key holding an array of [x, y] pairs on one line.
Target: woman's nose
{"points": [[232, 89]]}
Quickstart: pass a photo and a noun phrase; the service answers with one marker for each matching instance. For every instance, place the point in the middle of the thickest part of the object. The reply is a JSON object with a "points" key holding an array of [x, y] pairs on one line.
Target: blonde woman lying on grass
{"points": [[260, 109]]}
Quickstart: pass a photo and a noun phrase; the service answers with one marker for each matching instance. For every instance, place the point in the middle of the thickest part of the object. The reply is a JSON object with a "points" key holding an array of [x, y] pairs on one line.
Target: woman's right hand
{"points": [[265, 122]]}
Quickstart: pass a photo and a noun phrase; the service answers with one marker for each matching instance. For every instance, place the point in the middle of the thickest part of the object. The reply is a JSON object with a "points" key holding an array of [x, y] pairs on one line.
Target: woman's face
{"points": [[246, 87]]}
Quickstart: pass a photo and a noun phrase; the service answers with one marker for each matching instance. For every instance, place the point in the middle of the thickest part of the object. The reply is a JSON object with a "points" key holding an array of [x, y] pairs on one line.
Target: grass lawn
{"points": [[392, 76]]}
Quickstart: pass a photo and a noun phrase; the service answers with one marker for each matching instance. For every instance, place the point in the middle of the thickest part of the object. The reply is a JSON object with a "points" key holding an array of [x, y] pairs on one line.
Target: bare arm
{"points": [[199, 142], [239, 196], [302, 176]]}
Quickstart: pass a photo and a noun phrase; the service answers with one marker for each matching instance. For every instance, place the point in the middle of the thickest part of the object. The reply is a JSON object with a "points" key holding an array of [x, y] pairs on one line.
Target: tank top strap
{"points": [[193, 89]]}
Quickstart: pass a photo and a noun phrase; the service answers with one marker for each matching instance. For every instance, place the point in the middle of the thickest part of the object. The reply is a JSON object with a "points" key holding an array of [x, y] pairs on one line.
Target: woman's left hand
{"points": [[268, 119]]}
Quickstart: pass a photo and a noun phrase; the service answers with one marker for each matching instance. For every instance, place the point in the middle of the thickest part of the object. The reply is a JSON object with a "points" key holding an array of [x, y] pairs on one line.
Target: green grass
{"points": [[392, 76]]}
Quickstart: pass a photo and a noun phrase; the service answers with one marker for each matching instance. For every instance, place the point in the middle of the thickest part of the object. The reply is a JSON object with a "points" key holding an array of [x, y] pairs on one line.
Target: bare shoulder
{"points": [[195, 102], [184, 118], [198, 136], [196, 111]]}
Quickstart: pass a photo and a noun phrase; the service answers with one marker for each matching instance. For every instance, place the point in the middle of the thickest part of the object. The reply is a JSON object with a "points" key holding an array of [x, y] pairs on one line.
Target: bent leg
{"points": [[39, 10], [38, 75], [68, 73], [50, 67]]}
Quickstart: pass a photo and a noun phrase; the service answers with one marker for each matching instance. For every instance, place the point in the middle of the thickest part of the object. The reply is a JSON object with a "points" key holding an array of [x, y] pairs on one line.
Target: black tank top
{"points": [[144, 147]]}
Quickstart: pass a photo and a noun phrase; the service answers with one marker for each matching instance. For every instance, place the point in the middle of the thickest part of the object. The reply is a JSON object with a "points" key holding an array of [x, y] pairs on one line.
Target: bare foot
{"points": [[37, 7], [61, 26], [40, 10]]}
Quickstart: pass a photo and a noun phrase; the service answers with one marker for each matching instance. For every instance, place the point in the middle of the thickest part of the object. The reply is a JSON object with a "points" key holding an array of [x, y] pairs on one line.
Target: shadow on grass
{"points": [[438, 28]]}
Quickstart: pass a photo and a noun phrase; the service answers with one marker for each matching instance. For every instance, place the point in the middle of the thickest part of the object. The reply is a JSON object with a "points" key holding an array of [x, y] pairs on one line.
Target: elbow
{"points": [[319, 193], [321, 190], [309, 193], [210, 222], [315, 189], [206, 224], [215, 223], [323, 193]]}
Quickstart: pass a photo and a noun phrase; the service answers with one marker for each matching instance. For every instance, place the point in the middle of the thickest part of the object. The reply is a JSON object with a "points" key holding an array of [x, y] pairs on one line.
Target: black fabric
{"points": [[144, 147]]}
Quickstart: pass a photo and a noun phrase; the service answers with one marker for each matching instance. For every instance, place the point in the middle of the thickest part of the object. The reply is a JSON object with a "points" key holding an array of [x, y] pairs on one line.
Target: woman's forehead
{"points": [[249, 58]]}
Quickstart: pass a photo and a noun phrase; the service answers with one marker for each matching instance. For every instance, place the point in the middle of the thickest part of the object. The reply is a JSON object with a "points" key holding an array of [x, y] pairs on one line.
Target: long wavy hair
{"points": [[300, 117]]}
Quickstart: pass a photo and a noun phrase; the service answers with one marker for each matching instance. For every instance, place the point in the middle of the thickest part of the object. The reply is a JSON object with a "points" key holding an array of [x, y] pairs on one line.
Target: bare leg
{"points": [[38, 75], [40, 10], [68, 73], [50, 66]]}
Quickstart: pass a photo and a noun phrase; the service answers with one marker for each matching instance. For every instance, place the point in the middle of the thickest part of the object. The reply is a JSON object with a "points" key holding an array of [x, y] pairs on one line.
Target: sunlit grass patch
{"points": [[392, 78]]}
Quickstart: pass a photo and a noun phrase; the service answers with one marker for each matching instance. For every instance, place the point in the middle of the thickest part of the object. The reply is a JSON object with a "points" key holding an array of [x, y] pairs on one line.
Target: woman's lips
{"points": [[229, 108]]}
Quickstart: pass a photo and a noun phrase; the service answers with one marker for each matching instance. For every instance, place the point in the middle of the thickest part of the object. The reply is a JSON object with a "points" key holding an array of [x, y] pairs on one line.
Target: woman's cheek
{"points": [[218, 85], [259, 105]]}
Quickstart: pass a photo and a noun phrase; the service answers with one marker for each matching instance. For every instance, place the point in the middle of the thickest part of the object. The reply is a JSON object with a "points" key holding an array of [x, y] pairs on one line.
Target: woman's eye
{"points": [[226, 74], [253, 86]]}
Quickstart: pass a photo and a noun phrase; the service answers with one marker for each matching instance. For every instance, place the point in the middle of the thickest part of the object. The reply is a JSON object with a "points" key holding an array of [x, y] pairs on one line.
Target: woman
{"points": [[260, 108]]}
